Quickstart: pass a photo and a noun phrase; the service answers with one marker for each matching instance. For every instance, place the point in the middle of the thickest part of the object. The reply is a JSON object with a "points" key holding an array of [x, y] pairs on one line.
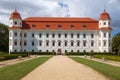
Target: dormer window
{"points": [[59, 26], [47, 25], [15, 22], [33, 25], [71, 26], [84, 26]]}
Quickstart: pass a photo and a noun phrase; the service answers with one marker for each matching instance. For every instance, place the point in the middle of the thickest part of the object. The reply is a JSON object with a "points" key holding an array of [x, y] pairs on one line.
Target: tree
{"points": [[116, 43], [4, 37]]}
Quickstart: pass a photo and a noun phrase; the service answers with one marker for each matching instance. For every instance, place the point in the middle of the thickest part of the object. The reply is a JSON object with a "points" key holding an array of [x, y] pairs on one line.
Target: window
{"points": [[92, 50], [59, 35], [25, 35], [72, 35], [15, 50], [59, 43], [84, 26], [15, 42], [33, 35], [24, 50], [72, 43], [92, 43], [40, 35], [104, 35], [47, 43], [104, 43], [40, 43], [78, 43], [10, 34], [84, 35], [15, 22], [33, 25], [78, 51], [78, 35], [65, 51], [15, 34], [53, 35], [65, 43], [53, 43], [84, 50], [109, 35], [59, 26], [65, 35], [71, 50], [47, 35], [71, 26], [32, 43], [47, 50], [84, 43], [25, 43], [47, 25], [92, 35], [32, 50], [40, 50], [104, 23], [53, 50]]}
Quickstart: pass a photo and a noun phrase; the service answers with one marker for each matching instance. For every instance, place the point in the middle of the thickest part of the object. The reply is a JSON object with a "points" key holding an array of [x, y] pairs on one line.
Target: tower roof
{"points": [[15, 15], [104, 16]]}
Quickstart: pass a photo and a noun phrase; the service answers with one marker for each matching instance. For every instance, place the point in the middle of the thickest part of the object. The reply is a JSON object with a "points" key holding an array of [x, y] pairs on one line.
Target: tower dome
{"points": [[15, 15], [104, 16]]}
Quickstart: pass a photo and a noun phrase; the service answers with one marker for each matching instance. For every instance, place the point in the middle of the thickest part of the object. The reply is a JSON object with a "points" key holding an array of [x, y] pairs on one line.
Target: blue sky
{"points": [[72, 8]]}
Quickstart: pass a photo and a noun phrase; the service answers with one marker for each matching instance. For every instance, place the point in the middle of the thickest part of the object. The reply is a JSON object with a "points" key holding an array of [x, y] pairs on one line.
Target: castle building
{"points": [[59, 34]]}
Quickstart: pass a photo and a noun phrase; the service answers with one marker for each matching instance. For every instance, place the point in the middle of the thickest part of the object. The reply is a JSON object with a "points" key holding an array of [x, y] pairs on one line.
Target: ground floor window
{"points": [[40, 50], [78, 51]]}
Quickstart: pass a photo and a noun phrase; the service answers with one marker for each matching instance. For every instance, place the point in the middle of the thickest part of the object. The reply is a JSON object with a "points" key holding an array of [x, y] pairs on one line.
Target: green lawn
{"points": [[109, 57], [17, 71], [108, 70]]}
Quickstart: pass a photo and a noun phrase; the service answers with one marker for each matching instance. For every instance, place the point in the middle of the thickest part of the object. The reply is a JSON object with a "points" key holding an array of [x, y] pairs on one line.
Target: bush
{"points": [[11, 56]]}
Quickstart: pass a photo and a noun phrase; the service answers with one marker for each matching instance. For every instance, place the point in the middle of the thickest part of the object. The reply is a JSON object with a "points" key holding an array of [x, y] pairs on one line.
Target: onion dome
{"points": [[104, 16], [15, 15]]}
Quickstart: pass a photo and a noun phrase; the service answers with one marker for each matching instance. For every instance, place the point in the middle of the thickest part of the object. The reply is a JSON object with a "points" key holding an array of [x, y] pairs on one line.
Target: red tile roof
{"points": [[15, 15], [105, 28], [104, 16], [65, 23]]}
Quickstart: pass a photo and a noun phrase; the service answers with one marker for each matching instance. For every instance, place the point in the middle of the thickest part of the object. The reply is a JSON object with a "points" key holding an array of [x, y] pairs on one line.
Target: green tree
{"points": [[4, 37], [116, 43]]}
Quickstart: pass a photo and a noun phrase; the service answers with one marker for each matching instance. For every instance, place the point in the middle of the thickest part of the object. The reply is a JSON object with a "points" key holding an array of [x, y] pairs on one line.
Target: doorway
{"points": [[59, 52]]}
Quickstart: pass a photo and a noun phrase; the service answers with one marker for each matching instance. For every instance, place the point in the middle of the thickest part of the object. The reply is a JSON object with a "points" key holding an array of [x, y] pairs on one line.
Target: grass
{"points": [[109, 57], [17, 71], [108, 70]]}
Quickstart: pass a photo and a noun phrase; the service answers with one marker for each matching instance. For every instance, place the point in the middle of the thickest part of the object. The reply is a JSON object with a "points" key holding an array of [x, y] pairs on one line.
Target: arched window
{"points": [[59, 43], [47, 43], [78, 43], [53, 43], [32, 42]]}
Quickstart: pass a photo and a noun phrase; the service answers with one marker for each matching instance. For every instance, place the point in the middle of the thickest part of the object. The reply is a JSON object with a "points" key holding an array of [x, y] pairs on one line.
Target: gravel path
{"points": [[63, 68]]}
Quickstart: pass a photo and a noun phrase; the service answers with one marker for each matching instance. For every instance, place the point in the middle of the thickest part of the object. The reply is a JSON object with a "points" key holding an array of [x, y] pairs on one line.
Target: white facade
{"points": [[23, 40]]}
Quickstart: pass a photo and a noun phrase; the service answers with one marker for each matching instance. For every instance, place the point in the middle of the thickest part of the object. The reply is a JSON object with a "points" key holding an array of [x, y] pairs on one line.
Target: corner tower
{"points": [[15, 31], [105, 32]]}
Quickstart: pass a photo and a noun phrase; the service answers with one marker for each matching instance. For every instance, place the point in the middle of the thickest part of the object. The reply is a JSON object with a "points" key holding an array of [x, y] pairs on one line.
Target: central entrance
{"points": [[59, 52]]}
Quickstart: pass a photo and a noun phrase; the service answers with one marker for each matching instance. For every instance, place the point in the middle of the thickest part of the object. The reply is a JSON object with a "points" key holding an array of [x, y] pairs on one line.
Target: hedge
{"points": [[88, 53], [33, 53], [11, 56]]}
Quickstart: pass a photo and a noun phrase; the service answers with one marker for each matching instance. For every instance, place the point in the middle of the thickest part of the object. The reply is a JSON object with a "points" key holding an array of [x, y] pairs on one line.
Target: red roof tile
{"points": [[77, 23], [15, 15], [105, 28], [104, 16]]}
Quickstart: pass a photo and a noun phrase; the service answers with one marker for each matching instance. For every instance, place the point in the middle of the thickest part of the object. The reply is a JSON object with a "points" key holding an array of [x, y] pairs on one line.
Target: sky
{"points": [[62, 8]]}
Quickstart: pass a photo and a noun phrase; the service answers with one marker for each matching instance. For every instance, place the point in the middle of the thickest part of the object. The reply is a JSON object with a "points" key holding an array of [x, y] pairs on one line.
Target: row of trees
{"points": [[4, 39]]}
